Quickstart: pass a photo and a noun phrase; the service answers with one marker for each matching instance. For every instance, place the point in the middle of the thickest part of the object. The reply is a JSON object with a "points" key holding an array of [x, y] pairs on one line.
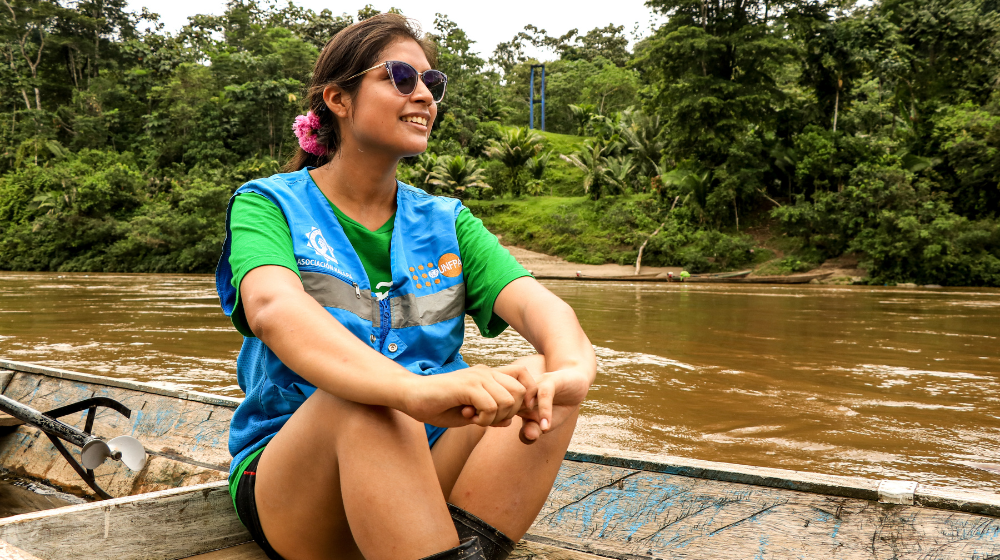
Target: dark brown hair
{"points": [[352, 50]]}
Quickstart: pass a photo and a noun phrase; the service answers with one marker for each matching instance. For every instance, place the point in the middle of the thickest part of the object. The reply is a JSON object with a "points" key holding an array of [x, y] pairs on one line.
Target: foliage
{"points": [[593, 163], [871, 128], [457, 176], [904, 227], [515, 149], [610, 230]]}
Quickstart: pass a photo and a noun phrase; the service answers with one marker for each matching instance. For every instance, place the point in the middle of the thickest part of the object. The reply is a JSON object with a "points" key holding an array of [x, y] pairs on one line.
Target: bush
{"points": [[902, 224]]}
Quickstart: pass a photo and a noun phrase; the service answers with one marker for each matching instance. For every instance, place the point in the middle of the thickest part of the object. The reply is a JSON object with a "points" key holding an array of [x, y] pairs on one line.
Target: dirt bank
{"points": [[547, 265]]}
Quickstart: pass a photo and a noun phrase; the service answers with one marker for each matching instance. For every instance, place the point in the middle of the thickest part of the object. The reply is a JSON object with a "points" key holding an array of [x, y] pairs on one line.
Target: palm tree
{"points": [[457, 175], [419, 173], [643, 134], [582, 114], [536, 167], [619, 172], [514, 149], [689, 182], [592, 162]]}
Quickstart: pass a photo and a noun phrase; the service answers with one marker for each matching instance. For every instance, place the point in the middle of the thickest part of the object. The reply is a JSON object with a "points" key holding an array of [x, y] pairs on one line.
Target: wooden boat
{"points": [[619, 505], [791, 279], [653, 277]]}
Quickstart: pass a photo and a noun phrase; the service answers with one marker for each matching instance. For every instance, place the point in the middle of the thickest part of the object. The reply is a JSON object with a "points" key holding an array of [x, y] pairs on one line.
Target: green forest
{"points": [[777, 134]]}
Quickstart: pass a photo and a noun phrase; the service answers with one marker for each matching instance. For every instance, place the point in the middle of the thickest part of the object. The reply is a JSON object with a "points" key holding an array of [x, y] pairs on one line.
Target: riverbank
{"points": [[541, 264], [561, 236]]}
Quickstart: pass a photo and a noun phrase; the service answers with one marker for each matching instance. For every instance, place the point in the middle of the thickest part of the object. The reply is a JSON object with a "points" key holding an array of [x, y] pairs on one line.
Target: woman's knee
{"points": [[332, 418], [370, 422]]}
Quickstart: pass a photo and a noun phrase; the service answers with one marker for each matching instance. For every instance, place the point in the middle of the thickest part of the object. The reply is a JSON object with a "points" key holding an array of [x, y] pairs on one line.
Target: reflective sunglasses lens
{"points": [[435, 82], [404, 77]]}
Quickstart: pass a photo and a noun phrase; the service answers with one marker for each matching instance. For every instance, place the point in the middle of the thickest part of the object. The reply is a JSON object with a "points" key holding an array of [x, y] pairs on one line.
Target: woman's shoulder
{"points": [[279, 182], [421, 200]]}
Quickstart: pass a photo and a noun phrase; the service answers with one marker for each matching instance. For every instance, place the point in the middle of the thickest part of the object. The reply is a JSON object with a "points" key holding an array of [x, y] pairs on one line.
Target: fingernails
{"points": [[545, 424]]}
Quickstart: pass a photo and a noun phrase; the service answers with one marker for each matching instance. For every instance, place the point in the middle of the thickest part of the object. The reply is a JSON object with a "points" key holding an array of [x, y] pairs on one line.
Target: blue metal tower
{"points": [[532, 100]]}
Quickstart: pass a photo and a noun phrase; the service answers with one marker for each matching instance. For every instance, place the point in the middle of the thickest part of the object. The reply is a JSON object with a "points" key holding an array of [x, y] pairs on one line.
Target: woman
{"points": [[346, 284]]}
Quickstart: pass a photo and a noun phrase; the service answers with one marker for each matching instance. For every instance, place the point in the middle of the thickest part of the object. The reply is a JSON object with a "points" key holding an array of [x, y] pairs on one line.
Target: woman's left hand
{"points": [[557, 394]]}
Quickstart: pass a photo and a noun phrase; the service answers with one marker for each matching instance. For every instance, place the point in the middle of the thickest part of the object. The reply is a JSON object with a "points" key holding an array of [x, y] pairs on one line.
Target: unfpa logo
{"points": [[450, 265], [318, 243], [426, 276]]}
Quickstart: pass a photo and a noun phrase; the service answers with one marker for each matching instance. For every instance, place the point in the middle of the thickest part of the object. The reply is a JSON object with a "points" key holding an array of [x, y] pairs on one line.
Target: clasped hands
{"points": [[493, 396]]}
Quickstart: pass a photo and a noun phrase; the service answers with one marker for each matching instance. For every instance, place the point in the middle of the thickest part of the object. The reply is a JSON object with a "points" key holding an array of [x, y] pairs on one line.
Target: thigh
{"points": [[341, 479], [298, 493], [492, 474], [451, 452]]}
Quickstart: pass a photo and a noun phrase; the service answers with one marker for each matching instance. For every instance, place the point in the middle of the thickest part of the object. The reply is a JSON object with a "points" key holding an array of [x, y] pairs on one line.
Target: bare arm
{"points": [[313, 344], [551, 326]]}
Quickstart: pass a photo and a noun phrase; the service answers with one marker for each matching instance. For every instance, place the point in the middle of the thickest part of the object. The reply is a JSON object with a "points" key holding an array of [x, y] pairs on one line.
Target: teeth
{"points": [[418, 120]]}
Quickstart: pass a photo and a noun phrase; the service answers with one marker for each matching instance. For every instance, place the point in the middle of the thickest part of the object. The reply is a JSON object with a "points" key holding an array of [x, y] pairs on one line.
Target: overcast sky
{"points": [[484, 22]]}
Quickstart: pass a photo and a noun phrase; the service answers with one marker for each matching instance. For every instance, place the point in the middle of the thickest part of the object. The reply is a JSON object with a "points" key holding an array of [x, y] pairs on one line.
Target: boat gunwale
{"points": [[968, 501], [978, 502], [206, 398]]}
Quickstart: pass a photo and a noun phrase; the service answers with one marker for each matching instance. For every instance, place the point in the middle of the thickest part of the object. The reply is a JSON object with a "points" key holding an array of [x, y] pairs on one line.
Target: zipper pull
{"points": [[357, 290]]}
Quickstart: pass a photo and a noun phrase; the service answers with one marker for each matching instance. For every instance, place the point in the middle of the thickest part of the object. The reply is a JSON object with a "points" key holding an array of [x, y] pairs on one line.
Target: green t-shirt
{"points": [[260, 236]]}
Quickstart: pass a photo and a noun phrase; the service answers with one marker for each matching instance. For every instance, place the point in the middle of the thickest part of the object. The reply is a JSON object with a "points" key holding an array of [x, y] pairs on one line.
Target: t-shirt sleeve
{"points": [[260, 237], [488, 267]]}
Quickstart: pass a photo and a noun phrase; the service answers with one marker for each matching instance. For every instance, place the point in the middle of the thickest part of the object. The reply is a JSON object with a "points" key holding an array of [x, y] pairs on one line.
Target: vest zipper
{"points": [[357, 290]]}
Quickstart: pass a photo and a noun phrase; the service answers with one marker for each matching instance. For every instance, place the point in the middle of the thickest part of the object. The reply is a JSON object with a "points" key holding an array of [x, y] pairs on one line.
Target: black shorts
{"points": [[246, 508]]}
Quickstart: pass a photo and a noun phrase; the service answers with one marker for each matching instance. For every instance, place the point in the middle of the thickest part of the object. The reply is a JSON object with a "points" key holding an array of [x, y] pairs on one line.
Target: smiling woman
{"points": [[350, 288]]}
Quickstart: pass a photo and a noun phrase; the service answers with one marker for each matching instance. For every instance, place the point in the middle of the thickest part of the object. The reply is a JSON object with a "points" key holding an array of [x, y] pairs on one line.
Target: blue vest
{"points": [[419, 323]]}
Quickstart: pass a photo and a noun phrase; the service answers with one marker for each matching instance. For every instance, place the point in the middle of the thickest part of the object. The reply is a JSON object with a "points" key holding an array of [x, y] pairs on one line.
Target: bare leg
{"points": [[342, 480], [499, 479]]}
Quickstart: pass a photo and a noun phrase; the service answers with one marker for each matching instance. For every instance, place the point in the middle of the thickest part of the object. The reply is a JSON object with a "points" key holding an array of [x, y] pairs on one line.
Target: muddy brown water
{"points": [[865, 381]]}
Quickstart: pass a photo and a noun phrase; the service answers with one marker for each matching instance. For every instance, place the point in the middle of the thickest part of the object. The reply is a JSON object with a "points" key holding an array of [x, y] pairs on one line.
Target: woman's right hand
{"points": [[476, 395]]}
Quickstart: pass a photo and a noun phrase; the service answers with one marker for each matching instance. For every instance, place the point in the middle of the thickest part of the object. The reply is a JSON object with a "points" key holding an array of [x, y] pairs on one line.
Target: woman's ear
{"points": [[337, 101]]}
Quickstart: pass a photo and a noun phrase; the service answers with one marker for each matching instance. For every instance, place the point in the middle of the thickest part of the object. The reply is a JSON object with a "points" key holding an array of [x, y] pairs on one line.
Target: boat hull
{"points": [[604, 504], [185, 434]]}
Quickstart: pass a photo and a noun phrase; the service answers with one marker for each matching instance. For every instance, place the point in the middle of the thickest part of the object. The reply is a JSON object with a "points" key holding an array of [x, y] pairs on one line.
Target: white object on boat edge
{"points": [[896, 492]]}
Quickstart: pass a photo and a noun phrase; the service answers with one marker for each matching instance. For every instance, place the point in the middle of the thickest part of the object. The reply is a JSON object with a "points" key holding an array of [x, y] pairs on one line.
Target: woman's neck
{"points": [[361, 184]]}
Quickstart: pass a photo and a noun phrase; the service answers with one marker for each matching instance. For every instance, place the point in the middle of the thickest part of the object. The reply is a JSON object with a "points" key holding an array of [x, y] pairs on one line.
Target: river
{"points": [[866, 381]]}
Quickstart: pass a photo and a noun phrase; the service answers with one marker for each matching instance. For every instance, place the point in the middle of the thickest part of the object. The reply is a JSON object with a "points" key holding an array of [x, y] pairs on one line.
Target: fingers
{"points": [[524, 377], [546, 392], [491, 395], [530, 432], [515, 389]]}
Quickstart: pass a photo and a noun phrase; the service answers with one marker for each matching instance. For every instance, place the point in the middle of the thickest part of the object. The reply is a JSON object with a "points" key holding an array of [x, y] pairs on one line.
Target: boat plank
{"points": [[162, 525], [594, 511], [186, 439], [525, 550], [628, 513], [10, 552]]}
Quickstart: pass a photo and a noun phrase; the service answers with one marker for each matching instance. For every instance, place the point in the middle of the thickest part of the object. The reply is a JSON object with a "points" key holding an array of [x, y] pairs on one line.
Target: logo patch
{"points": [[450, 265], [318, 243]]}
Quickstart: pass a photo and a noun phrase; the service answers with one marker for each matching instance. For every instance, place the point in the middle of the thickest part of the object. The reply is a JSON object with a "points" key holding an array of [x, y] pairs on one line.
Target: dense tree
{"points": [[871, 128]]}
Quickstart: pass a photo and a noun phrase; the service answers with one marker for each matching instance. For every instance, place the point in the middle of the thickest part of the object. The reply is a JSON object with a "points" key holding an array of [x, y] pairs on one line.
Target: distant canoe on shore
{"points": [[741, 277]]}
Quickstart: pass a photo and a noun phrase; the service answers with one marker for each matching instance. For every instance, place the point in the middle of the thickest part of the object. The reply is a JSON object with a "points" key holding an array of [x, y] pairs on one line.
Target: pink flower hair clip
{"points": [[306, 127]]}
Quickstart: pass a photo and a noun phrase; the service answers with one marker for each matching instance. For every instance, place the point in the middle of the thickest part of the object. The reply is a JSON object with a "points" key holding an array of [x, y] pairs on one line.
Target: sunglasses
{"points": [[404, 78]]}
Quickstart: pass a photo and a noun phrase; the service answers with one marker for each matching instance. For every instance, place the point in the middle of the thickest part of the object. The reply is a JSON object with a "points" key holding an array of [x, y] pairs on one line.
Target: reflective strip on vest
{"points": [[407, 311], [411, 311], [330, 291]]}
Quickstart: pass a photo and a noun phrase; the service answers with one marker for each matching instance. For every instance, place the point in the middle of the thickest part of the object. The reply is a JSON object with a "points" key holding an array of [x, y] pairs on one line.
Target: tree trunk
{"points": [[26, 102], [638, 260], [836, 106], [72, 68], [736, 210], [270, 132], [38, 99], [97, 36]]}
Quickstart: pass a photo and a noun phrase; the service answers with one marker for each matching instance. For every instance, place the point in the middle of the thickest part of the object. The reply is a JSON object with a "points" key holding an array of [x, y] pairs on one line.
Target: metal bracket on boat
{"points": [[93, 451], [896, 492]]}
